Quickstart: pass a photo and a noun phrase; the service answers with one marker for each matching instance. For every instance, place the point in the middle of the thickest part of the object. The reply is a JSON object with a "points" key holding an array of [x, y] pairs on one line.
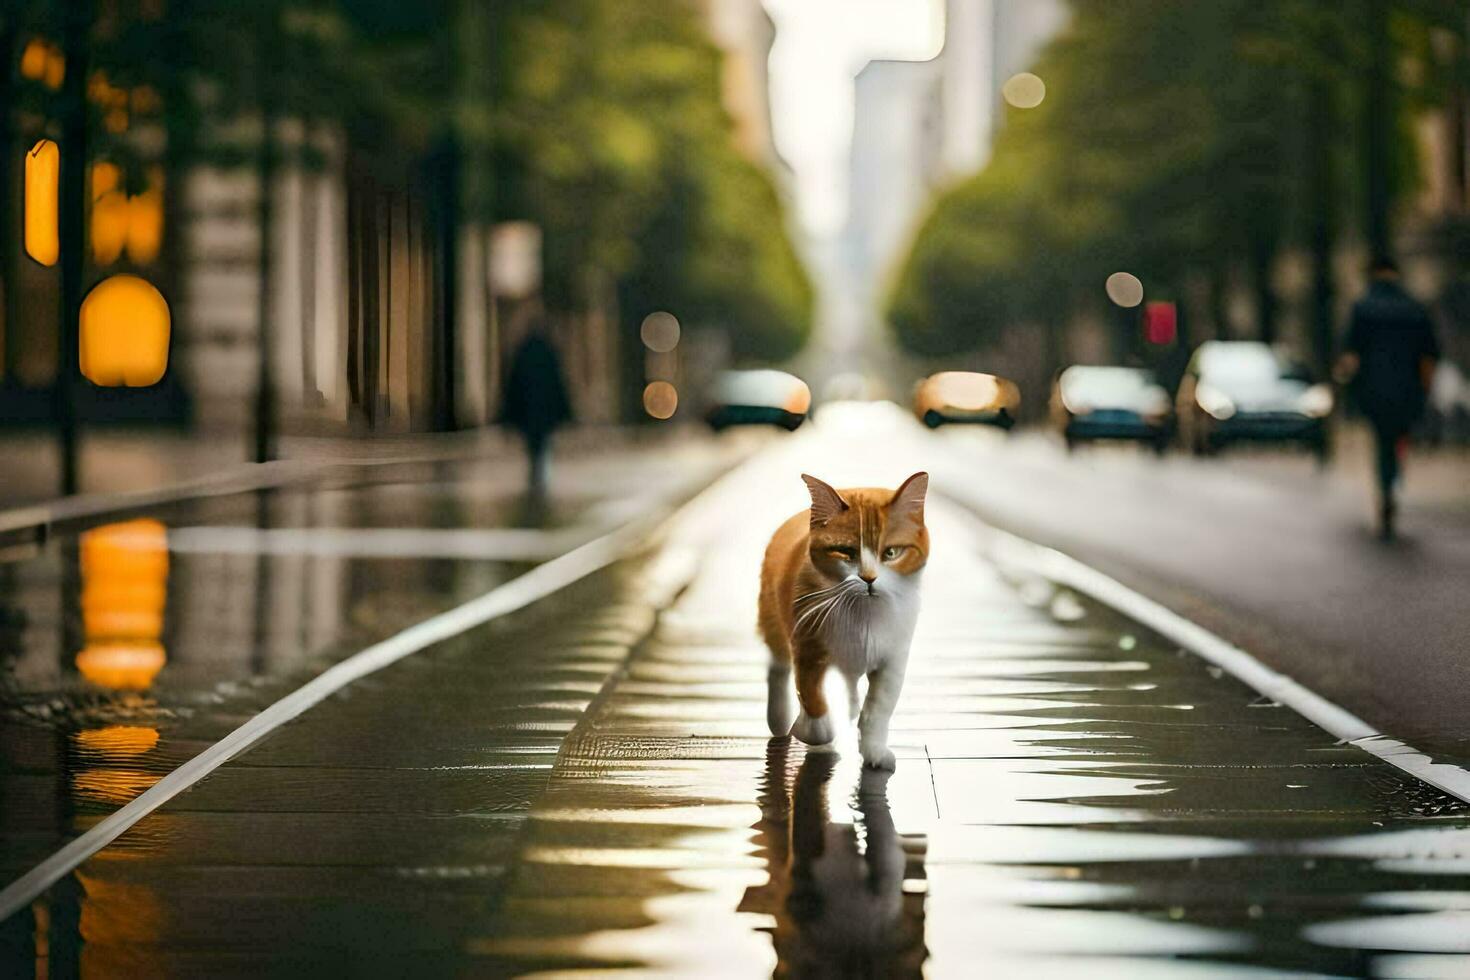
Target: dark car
{"points": [[1236, 391], [1103, 402], [966, 397], [761, 397]]}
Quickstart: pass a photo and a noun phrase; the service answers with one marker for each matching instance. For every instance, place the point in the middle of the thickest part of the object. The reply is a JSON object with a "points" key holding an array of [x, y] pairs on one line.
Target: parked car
{"points": [[1103, 402], [1235, 391], [966, 397], [761, 397]]}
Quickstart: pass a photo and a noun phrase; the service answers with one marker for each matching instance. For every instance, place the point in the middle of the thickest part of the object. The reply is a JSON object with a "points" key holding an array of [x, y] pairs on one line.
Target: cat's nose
{"points": [[868, 576]]}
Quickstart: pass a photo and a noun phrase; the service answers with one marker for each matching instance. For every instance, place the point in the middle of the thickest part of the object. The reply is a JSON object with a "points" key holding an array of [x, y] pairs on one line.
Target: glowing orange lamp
{"points": [[43, 218], [124, 333]]}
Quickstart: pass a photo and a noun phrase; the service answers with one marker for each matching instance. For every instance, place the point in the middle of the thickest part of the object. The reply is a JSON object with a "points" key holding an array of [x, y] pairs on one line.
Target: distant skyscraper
{"points": [[744, 32], [986, 42], [897, 144]]}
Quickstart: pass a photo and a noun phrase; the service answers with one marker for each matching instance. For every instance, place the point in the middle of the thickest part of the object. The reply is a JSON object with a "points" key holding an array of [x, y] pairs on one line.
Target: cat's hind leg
{"points": [[780, 708]]}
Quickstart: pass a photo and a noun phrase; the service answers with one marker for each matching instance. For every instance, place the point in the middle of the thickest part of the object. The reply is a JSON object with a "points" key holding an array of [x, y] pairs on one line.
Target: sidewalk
{"points": [[124, 461], [588, 785]]}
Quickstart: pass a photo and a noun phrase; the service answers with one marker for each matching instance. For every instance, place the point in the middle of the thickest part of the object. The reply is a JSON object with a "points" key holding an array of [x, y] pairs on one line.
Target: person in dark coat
{"points": [[1389, 359], [536, 402]]}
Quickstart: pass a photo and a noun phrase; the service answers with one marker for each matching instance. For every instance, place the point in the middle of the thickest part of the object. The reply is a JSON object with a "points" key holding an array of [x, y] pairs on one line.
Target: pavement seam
{"points": [[1006, 549]]}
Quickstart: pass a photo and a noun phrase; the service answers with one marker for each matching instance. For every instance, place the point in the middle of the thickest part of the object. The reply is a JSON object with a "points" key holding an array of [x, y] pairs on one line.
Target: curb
{"points": [[1008, 550]]}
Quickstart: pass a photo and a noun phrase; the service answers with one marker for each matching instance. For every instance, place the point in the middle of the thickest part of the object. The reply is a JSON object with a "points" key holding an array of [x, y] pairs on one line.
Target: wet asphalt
{"points": [[586, 785]]}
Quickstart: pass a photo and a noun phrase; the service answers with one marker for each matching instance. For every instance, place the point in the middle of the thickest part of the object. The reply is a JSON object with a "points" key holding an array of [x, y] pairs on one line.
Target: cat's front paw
{"points": [[878, 757], [814, 731]]}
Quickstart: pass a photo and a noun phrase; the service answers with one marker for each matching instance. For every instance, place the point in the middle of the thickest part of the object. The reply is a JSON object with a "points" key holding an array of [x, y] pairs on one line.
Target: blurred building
{"points": [[920, 126], [354, 257], [744, 33]]}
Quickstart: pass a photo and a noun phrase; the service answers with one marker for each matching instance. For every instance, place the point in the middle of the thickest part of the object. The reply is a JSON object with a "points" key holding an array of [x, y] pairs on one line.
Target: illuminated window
{"points": [[124, 333], [43, 181]]}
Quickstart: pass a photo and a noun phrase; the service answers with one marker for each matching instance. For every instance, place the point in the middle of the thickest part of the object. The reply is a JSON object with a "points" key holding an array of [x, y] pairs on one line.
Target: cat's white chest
{"points": [[876, 631]]}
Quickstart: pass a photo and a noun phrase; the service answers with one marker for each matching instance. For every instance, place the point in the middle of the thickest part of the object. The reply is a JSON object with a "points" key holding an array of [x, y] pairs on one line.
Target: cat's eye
{"points": [[893, 551]]}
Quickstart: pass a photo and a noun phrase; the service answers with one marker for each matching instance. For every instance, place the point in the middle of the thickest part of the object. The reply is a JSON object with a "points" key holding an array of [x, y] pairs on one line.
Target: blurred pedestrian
{"points": [[1388, 361], [536, 402]]}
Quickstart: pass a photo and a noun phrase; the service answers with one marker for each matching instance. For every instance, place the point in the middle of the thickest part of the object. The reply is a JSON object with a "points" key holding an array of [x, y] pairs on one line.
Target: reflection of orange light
{"points": [[660, 400], [121, 666], [119, 916], [118, 740], [114, 787], [799, 400], [124, 576], [43, 178], [124, 333], [124, 590]]}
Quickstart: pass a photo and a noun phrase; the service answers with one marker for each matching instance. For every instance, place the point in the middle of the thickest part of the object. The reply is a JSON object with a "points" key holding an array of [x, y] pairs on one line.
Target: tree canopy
{"points": [[1174, 138]]}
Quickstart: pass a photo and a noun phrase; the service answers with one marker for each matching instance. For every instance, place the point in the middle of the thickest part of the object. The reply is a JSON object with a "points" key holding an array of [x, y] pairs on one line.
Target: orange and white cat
{"points": [[840, 589]]}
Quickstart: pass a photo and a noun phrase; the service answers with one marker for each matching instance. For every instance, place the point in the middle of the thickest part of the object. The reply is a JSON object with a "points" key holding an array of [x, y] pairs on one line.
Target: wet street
{"points": [[585, 782]]}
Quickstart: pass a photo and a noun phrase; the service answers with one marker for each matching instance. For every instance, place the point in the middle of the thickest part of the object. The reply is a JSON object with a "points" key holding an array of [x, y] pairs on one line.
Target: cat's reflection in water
{"points": [[836, 888]]}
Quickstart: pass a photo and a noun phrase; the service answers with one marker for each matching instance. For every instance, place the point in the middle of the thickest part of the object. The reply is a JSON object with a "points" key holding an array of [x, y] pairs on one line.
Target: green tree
{"points": [[1176, 140]]}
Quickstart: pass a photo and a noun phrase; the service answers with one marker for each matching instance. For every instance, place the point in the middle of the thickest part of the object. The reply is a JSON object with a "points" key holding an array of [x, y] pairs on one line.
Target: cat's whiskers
{"points": [[834, 606]]}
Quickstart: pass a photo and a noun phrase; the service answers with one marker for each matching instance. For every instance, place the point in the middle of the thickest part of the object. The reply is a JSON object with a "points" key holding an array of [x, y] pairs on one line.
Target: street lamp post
{"points": [[265, 382], [72, 221]]}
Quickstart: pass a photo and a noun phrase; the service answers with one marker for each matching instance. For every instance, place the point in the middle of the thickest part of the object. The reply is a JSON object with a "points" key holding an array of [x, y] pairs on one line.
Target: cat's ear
{"points": [[908, 499], [826, 502]]}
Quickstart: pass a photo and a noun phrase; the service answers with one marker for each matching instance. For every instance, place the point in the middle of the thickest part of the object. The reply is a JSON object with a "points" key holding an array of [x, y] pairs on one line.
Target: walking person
{"points": [[1388, 361], [536, 402]]}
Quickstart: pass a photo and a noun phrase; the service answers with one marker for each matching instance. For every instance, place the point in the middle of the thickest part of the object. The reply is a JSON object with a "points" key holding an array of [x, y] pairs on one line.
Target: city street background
{"points": [[395, 401]]}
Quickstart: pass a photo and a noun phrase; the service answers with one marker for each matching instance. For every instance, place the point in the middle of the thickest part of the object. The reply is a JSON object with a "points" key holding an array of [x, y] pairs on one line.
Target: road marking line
{"points": [[519, 592], [1342, 724]]}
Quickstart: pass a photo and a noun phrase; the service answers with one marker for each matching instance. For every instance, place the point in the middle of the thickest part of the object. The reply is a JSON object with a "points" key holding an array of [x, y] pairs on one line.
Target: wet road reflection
{"points": [[846, 892], [128, 646], [1074, 797], [588, 786]]}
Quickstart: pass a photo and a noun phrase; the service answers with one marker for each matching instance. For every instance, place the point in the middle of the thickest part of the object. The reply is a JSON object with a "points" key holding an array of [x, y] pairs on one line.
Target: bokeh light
{"points": [[43, 221], [660, 332], [1024, 90], [1125, 289], [145, 220], [43, 62], [109, 225], [660, 400], [124, 333]]}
